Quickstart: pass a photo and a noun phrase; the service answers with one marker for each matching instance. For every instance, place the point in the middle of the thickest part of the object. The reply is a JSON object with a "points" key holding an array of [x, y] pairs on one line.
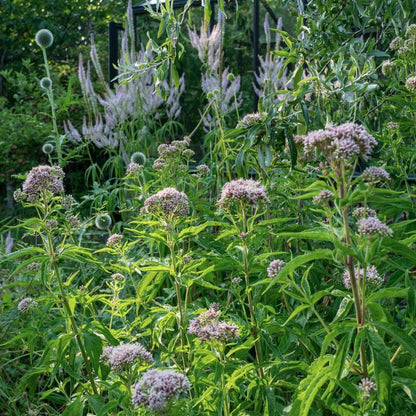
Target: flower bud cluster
{"points": [[372, 276], [245, 191], [341, 143], [27, 305], [113, 240], [207, 326], [125, 354], [375, 174], [275, 267], [157, 388], [371, 226], [168, 202], [251, 119], [170, 155], [367, 386], [41, 179], [364, 212], [323, 197]]}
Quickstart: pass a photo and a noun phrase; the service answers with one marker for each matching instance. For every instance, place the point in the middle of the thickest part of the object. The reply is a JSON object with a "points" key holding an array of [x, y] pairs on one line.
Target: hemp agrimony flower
{"points": [[245, 191], [371, 226], [372, 276], [125, 354], [207, 326], [323, 197], [275, 267], [39, 180], [364, 212], [27, 305], [375, 174], [113, 240], [157, 388], [367, 386], [168, 202]]}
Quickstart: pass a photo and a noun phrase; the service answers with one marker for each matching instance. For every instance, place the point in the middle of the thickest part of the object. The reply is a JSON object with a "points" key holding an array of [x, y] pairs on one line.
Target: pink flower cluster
{"points": [[246, 191], [372, 276], [169, 202], [341, 143], [41, 179], [363, 212], [275, 267], [367, 385], [375, 174], [207, 326], [125, 354], [157, 388], [371, 225], [114, 239], [322, 197]]}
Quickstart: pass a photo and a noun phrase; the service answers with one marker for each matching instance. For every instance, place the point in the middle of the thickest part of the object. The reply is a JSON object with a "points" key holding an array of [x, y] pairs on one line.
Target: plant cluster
{"points": [[273, 276]]}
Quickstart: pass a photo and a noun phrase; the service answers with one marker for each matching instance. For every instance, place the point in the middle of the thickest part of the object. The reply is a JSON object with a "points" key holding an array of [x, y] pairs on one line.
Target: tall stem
{"points": [[70, 316], [354, 283], [171, 244]]}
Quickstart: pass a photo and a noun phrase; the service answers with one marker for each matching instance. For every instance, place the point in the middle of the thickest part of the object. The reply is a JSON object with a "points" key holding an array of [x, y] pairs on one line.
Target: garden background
{"points": [[189, 241]]}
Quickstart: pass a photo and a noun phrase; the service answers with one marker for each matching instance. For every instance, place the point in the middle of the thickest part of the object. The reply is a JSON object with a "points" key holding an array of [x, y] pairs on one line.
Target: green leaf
{"points": [[407, 342], [382, 366], [297, 262], [93, 346]]}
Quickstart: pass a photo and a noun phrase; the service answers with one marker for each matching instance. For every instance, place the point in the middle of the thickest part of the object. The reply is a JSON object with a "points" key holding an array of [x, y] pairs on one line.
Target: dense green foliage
{"points": [[213, 261]]}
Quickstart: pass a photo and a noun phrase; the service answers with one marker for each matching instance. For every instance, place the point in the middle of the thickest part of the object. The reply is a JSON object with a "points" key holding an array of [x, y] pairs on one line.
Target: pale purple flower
{"points": [[42, 179], [34, 267], [207, 326], [387, 67], [159, 164], [117, 276], [157, 388], [252, 119], [364, 212], [51, 224], [322, 197], [411, 84], [372, 276], [392, 125], [371, 225], [74, 222], [245, 191], [9, 243], [236, 280], [27, 305], [375, 174], [169, 202], [125, 354], [367, 386], [341, 143], [275, 267], [113, 240], [396, 43], [203, 170], [133, 168]]}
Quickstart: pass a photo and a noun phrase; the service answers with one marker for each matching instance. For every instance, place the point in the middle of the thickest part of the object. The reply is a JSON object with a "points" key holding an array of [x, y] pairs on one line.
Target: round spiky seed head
{"points": [[46, 83], [103, 222], [44, 38], [48, 148], [138, 157]]}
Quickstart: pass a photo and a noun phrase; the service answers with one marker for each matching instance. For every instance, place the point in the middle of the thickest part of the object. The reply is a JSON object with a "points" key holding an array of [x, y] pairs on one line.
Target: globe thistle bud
{"points": [[138, 157], [44, 38], [103, 222], [45, 83], [48, 148]]}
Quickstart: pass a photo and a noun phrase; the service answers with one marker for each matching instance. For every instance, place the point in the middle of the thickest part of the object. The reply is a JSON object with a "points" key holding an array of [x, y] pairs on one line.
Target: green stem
{"points": [[70, 316]]}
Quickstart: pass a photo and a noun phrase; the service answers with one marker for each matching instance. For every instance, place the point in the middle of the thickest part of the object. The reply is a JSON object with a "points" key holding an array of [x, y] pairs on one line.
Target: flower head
{"points": [[387, 67], [138, 157], [157, 388], [27, 305], [203, 170], [45, 83], [252, 119], [367, 385], [133, 168], [411, 32], [48, 148], [375, 174], [169, 202], [371, 276], [363, 212], [371, 226], [275, 267], [113, 240], [103, 221], [323, 197], [245, 191], [396, 43], [207, 326], [410, 84], [44, 38], [341, 143], [42, 179], [125, 354]]}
